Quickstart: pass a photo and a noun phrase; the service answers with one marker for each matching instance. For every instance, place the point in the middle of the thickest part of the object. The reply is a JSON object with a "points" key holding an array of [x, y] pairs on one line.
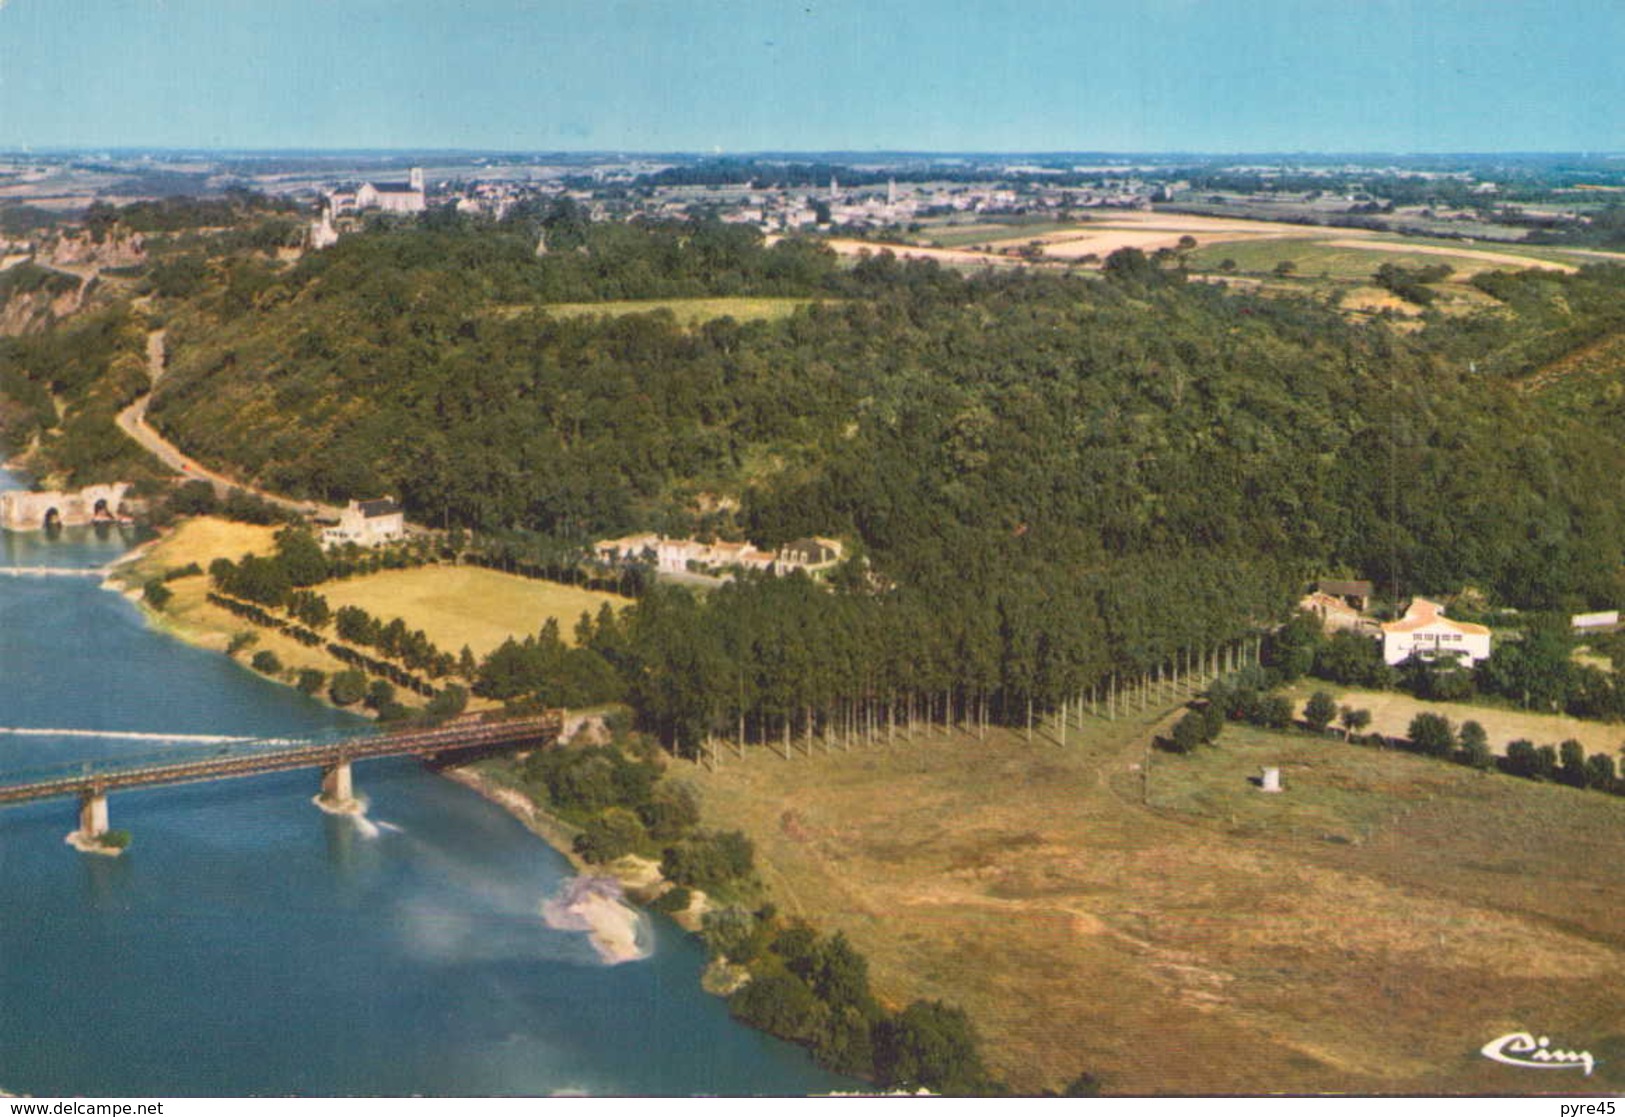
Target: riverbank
{"points": [[611, 924]]}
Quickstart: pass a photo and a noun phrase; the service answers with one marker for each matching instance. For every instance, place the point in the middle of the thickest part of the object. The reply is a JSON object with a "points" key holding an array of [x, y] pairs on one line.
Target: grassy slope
{"points": [[467, 604], [1368, 930]]}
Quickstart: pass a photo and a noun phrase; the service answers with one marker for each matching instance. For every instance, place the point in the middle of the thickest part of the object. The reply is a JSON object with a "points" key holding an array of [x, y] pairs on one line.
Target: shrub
{"points": [[266, 662], [1432, 734], [1187, 733], [1475, 746], [449, 701], [1319, 711], [241, 640], [610, 834], [347, 688], [156, 594], [673, 900], [114, 839], [930, 1044]]}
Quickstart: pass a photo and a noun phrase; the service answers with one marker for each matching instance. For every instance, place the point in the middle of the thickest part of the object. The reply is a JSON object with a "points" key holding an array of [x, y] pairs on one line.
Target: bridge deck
{"points": [[272, 755]]}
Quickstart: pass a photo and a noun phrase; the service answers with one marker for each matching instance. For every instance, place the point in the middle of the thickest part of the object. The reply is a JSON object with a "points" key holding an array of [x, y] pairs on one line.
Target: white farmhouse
{"points": [[1426, 631], [367, 523]]}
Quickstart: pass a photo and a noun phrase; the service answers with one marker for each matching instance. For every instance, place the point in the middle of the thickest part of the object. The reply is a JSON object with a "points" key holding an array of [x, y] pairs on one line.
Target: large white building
{"points": [[367, 523], [1425, 630]]}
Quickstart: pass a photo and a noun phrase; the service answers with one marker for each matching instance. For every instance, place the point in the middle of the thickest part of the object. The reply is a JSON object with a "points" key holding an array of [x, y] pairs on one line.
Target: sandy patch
{"points": [[596, 906]]}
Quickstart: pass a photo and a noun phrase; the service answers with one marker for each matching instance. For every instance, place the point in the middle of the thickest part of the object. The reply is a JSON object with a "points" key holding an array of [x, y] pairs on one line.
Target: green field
{"points": [[468, 605], [1315, 258], [1368, 930], [689, 312]]}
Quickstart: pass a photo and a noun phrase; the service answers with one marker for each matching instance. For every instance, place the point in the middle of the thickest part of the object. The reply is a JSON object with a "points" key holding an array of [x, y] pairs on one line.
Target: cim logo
{"points": [[1521, 1049]]}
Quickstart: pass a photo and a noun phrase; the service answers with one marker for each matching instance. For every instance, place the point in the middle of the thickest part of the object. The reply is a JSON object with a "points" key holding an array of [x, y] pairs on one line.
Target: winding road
{"points": [[133, 422]]}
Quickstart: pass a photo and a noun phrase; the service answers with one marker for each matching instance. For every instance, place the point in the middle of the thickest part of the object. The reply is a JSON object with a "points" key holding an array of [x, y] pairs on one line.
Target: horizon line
{"points": [[782, 153]]}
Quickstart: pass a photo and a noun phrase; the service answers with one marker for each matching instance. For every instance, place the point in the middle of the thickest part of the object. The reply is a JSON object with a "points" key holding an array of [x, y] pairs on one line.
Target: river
{"points": [[248, 943]]}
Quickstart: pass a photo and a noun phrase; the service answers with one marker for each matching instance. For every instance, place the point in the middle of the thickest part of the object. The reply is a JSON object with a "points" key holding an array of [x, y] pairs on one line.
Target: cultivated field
{"points": [[1368, 930], [468, 605]]}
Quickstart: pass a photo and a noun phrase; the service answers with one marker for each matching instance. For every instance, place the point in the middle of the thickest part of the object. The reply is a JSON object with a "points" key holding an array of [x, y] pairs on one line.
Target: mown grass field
{"points": [[468, 605], [1368, 930]]}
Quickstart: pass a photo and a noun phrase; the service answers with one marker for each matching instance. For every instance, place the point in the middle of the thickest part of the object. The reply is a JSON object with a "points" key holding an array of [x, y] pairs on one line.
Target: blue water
{"points": [[247, 943]]}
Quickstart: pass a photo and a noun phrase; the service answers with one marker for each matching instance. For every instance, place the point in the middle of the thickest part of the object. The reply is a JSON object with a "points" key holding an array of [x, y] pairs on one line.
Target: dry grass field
{"points": [[1392, 711], [454, 606], [468, 604], [1368, 930]]}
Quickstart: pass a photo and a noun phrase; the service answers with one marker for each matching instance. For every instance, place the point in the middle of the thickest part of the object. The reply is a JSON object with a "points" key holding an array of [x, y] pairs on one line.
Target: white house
{"points": [[367, 523], [1426, 631]]}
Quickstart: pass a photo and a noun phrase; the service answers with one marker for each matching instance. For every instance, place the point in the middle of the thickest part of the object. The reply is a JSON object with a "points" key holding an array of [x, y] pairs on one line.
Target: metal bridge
{"points": [[91, 781]]}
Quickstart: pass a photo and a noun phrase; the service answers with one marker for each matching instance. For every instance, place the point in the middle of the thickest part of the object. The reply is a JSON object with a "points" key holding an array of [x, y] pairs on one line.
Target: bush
{"points": [[1475, 745], [241, 640], [1319, 711], [156, 594], [266, 662], [781, 1004], [347, 688], [448, 702], [709, 860], [673, 900], [610, 834], [311, 680], [930, 1044], [114, 839], [1432, 734], [1187, 733]]}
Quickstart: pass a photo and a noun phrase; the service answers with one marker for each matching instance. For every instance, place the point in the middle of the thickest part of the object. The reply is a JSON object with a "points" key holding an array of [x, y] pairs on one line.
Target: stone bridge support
{"points": [[92, 814], [338, 790]]}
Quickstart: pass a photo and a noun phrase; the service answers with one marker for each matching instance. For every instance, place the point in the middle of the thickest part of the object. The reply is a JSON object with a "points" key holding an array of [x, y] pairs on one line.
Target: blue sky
{"points": [[810, 75]]}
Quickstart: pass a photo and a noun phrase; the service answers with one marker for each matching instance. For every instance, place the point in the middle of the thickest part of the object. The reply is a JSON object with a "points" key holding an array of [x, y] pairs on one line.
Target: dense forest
{"points": [[1042, 477]]}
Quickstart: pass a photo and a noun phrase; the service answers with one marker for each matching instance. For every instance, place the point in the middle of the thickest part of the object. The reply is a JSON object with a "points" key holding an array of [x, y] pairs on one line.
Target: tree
{"points": [[156, 593], [1432, 734], [1353, 720], [610, 834], [1572, 758], [1319, 711], [930, 1044], [311, 680], [1187, 733], [1475, 743], [449, 701], [1520, 759], [266, 662], [1600, 771], [347, 688], [302, 558]]}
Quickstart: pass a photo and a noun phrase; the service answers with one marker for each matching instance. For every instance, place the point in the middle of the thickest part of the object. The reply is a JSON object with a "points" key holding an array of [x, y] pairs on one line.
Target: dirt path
{"points": [[133, 422]]}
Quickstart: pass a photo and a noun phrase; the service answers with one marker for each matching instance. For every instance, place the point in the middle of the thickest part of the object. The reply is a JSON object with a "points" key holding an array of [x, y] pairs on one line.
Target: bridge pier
{"points": [[93, 814], [92, 833], [338, 790]]}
